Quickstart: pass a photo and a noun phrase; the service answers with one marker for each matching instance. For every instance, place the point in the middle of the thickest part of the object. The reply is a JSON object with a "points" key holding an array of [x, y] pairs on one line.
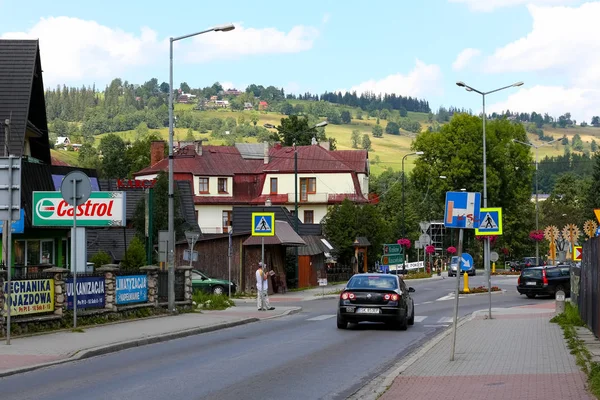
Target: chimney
{"points": [[198, 147], [277, 145], [266, 152], [157, 151], [325, 145]]}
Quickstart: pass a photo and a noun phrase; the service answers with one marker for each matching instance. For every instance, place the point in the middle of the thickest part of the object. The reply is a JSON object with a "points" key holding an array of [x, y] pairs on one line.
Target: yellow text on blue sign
{"points": [[30, 296], [263, 224]]}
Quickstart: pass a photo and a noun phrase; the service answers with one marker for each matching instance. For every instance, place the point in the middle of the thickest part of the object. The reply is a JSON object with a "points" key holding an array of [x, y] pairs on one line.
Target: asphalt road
{"points": [[301, 356]]}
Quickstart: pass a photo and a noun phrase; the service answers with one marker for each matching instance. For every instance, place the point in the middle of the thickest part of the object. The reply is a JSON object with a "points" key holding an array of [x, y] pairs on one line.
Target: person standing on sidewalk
{"points": [[262, 289]]}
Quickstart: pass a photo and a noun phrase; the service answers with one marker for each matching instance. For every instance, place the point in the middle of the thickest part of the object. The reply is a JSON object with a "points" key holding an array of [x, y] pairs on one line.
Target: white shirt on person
{"points": [[261, 283]]}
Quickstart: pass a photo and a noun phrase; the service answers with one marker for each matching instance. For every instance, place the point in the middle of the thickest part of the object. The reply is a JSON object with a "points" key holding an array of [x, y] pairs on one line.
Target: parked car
{"points": [[528, 262], [202, 282], [376, 298], [540, 281], [454, 267]]}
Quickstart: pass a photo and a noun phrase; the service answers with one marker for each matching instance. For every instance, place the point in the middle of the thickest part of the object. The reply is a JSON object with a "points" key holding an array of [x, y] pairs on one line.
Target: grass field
{"points": [[386, 152]]}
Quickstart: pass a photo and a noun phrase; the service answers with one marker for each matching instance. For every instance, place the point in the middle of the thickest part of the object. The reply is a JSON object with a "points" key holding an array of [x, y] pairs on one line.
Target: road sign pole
{"points": [[75, 203], [262, 251], [8, 261], [229, 255], [460, 243]]}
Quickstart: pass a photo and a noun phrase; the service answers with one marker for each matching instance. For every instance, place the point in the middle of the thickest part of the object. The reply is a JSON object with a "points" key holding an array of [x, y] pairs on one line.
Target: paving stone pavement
{"points": [[519, 354]]}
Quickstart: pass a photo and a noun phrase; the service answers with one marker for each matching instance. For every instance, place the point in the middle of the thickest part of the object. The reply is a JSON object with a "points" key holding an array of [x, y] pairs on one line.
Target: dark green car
{"points": [[210, 285]]}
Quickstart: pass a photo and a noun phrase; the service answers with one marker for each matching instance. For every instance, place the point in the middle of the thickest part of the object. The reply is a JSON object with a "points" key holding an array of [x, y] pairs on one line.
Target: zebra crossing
{"points": [[432, 321]]}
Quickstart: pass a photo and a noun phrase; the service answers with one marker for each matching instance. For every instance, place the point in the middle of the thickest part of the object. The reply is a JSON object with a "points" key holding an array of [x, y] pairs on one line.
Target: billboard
{"points": [[30, 296], [131, 289], [90, 292], [101, 210]]}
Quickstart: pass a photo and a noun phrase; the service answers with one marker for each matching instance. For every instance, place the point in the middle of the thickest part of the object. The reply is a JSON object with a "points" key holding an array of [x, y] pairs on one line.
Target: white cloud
{"points": [[326, 18], [76, 50], [562, 45], [554, 100], [250, 41], [424, 80], [491, 5], [464, 57]]}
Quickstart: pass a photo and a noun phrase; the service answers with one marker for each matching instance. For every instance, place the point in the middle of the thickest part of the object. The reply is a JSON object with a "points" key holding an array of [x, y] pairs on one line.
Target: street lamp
{"points": [[416, 153], [171, 211], [537, 209], [296, 219], [486, 250]]}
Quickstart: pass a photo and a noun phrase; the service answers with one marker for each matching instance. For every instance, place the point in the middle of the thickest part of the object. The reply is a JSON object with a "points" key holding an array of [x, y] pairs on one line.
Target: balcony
{"points": [[309, 198]]}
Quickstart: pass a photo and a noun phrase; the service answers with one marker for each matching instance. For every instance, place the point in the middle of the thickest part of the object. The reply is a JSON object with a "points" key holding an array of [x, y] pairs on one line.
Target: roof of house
{"points": [[284, 235], [22, 97], [214, 161], [310, 159], [113, 241], [358, 160], [314, 245]]}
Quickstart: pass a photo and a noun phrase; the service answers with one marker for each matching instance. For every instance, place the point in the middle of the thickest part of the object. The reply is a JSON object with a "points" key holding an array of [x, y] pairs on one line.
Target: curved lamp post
{"points": [[171, 210], [486, 248]]}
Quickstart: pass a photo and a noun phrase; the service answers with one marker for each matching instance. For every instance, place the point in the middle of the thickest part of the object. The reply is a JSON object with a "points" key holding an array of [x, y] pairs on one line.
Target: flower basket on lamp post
{"points": [[405, 243], [430, 250], [536, 236]]}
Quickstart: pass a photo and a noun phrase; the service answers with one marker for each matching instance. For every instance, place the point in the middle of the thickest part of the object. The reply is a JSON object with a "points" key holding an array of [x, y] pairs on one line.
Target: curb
{"points": [[378, 386], [114, 347], [291, 311]]}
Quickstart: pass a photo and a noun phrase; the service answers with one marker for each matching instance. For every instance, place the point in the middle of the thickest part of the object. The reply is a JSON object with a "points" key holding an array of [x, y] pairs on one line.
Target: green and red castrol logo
{"points": [[101, 209]]}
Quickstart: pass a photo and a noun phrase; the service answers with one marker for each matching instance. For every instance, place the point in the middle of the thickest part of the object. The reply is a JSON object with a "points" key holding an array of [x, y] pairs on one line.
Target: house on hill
{"points": [[62, 141], [263, 105]]}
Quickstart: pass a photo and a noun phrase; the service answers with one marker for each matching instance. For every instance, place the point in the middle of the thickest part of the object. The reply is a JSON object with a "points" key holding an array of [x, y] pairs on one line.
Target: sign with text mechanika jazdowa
{"points": [[101, 209], [30, 296]]}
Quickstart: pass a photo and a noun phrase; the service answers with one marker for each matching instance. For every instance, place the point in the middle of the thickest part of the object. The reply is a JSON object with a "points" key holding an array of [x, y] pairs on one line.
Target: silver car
{"points": [[454, 267]]}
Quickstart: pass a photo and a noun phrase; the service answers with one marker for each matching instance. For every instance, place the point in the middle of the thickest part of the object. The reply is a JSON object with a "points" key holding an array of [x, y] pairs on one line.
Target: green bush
{"points": [[135, 256], [205, 301], [101, 258]]}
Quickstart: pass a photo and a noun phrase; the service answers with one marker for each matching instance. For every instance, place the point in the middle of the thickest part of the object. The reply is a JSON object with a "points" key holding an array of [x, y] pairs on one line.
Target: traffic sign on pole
{"points": [[263, 224], [462, 210], [490, 221]]}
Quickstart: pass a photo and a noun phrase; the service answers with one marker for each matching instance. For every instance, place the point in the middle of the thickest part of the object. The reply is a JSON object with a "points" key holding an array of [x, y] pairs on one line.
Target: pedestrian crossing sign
{"points": [[263, 224], [490, 222]]}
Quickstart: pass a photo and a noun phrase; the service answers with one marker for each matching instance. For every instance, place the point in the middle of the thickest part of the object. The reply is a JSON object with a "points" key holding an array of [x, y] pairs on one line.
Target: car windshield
{"points": [[373, 282], [529, 260], [198, 275], [454, 260], [532, 273]]}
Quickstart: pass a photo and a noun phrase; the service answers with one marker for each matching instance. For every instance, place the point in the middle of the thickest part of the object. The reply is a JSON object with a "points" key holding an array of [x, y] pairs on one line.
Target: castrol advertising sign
{"points": [[101, 209]]}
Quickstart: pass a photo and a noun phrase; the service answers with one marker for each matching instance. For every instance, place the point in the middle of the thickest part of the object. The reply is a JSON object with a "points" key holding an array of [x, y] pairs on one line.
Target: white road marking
{"points": [[445, 320], [434, 326], [448, 297], [321, 317], [420, 318], [428, 302]]}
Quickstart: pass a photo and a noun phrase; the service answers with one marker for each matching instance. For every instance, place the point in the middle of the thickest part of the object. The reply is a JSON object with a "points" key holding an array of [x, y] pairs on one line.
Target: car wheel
{"points": [[341, 322], [402, 323], [411, 320], [218, 290], [530, 296], [474, 272]]}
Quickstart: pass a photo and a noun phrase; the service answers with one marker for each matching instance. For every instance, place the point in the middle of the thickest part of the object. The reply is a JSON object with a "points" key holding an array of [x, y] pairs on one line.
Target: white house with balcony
{"points": [[252, 174]]}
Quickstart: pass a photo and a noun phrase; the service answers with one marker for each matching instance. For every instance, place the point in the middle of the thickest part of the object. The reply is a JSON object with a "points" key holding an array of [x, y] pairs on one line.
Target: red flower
{"points": [[430, 249], [505, 251], [451, 250], [536, 236], [404, 243], [492, 238]]}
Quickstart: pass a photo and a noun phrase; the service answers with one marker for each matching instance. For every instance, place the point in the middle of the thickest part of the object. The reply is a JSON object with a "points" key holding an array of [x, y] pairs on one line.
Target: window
{"points": [[273, 186], [222, 185], [34, 252], [307, 186], [226, 220], [203, 185], [309, 216]]}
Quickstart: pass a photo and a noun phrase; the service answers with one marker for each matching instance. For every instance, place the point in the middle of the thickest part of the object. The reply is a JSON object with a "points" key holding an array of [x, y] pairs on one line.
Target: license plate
{"points": [[531, 283], [368, 310], [350, 309]]}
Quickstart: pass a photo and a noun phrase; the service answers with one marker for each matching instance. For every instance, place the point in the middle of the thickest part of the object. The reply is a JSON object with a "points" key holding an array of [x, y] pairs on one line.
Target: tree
{"points": [[88, 156], [366, 142], [593, 194], [456, 152], [164, 88], [287, 108], [190, 135], [113, 164], [595, 121], [594, 146], [403, 112], [392, 128], [135, 256], [377, 131], [137, 156], [185, 88], [101, 258], [359, 114], [296, 130], [254, 117], [141, 130], [568, 197], [355, 138], [577, 143], [346, 221], [346, 117]]}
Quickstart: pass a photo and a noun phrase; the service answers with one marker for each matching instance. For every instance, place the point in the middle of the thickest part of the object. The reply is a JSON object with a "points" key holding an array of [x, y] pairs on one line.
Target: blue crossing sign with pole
{"points": [[263, 224], [490, 221]]}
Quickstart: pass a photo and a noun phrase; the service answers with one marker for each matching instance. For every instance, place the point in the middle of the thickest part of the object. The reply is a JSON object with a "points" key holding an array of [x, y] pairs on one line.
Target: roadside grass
{"points": [[568, 321], [205, 301], [480, 289], [416, 275]]}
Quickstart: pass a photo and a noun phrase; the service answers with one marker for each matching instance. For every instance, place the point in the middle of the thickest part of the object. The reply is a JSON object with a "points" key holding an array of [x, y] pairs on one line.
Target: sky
{"points": [[411, 48]]}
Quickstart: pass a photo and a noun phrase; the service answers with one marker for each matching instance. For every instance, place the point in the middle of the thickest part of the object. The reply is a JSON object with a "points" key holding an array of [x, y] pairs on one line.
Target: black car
{"points": [[544, 281], [376, 298]]}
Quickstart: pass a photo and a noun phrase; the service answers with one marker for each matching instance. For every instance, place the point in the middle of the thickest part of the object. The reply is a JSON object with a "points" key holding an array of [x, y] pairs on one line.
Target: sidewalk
{"points": [[519, 354], [28, 353]]}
